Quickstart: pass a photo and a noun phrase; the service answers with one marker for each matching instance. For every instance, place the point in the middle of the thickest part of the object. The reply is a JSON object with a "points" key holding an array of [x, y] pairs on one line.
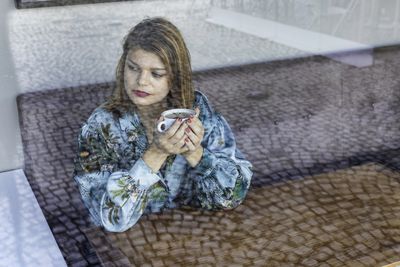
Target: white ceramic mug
{"points": [[171, 115]]}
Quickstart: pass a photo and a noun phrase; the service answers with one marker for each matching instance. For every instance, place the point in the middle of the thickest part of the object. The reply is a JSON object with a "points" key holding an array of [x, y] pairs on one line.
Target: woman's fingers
{"points": [[180, 142], [197, 127], [194, 128], [179, 133], [183, 136], [180, 146], [195, 140], [189, 144], [172, 130], [197, 110]]}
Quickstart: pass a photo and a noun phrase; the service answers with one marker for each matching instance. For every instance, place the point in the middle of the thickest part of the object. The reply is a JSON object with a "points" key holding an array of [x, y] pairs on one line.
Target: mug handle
{"points": [[164, 125]]}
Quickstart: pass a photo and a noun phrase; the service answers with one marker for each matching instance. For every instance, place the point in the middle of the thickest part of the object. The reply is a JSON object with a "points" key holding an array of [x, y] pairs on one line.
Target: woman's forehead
{"points": [[145, 59]]}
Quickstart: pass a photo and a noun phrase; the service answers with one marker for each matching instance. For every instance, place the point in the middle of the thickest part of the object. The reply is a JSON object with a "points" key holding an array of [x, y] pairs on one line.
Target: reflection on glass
{"points": [[369, 22]]}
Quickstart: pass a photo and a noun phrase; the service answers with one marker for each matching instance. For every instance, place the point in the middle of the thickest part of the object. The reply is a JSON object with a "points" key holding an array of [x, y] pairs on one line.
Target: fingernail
{"points": [[187, 130], [186, 140]]}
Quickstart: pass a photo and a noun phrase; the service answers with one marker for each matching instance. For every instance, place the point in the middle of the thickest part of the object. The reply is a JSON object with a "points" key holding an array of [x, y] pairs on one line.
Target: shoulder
{"points": [[216, 128], [100, 118], [100, 115], [201, 100], [209, 116]]}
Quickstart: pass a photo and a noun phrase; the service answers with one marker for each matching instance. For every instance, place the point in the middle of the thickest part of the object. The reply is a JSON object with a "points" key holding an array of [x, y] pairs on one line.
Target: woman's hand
{"points": [[195, 134], [171, 141]]}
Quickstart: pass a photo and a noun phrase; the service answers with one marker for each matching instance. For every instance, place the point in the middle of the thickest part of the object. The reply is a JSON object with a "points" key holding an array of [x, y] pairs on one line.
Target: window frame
{"points": [[50, 3]]}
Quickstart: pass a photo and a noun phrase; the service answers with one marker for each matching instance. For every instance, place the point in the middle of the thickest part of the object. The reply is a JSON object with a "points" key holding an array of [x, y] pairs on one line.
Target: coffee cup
{"points": [[171, 115]]}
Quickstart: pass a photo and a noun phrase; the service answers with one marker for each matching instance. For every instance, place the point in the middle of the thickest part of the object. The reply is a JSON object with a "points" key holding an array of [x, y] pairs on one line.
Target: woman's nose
{"points": [[143, 78]]}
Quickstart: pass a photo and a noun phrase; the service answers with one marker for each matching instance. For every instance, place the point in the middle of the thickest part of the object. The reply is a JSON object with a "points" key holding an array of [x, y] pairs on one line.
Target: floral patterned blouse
{"points": [[117, 186]]}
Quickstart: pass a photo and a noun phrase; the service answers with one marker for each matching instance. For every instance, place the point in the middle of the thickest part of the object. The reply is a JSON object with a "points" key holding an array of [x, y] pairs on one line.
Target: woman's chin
{"points": [[143, 102]]}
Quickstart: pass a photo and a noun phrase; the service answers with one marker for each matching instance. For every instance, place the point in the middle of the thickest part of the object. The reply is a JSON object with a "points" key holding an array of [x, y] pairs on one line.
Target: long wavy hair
{"points": [[159, 36]]}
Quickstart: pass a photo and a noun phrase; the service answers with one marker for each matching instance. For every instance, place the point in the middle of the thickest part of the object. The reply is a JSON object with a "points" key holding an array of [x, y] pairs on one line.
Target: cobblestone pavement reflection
{"points": [[324, 140], [345, 218]]}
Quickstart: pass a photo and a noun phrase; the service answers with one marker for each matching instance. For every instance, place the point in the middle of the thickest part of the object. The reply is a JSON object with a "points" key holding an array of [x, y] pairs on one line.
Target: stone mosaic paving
{"points": [[345, 218], [293, 120]]}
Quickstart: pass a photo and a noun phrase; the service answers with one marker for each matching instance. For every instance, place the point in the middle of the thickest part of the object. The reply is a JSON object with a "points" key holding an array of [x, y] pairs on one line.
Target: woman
{"points": [[125, 167]]}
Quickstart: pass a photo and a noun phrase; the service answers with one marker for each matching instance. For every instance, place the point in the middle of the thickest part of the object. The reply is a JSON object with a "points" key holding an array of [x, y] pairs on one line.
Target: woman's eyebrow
{"points": [[132, 62]]}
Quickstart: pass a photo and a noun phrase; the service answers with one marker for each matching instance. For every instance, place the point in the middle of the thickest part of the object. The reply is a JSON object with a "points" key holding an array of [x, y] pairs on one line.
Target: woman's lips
{"points": [[140, 93]]}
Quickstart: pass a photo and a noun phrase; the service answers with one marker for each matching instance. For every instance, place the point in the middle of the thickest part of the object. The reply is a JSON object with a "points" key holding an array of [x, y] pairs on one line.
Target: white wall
{"points": [[11, 156]]}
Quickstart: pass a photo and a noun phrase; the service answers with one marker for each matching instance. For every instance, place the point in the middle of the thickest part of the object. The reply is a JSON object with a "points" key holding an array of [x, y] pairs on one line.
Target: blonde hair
{"points": [[159, 36]]}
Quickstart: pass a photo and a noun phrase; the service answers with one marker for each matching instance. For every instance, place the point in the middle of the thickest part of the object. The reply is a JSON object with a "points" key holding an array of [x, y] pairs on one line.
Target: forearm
{"points": [[128, 194], [154, 158], [222, 181]]}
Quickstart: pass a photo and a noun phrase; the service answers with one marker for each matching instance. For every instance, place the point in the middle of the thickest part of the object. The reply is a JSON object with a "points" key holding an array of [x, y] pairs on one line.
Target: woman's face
{"points": [[146, 78]]}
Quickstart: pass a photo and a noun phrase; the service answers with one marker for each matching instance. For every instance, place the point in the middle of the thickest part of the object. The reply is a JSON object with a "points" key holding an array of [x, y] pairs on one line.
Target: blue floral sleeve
{"points": [[222, 177], [115, 196]]}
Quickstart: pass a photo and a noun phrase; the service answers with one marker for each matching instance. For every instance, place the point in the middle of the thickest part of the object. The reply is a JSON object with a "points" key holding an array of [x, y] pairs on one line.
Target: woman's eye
{"points": [[133, 68], [157, 75]]}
